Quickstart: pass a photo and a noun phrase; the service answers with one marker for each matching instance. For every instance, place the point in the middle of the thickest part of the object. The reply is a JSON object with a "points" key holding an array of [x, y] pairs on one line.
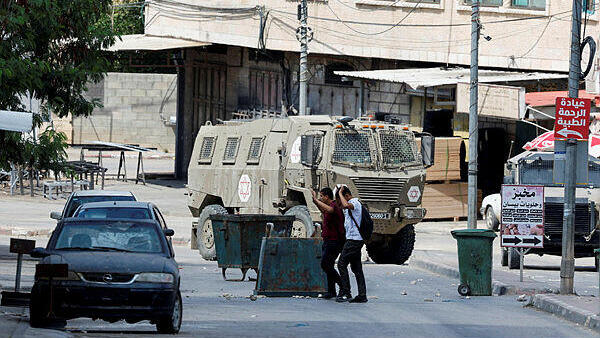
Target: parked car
{"points": [[117, 269], [78, 198], [490, 210], [121, 209]]}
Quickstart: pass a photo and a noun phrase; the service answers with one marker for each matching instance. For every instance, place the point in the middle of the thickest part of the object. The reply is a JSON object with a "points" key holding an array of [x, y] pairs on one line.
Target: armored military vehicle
{"points": [[536, 168], [269, 166]]}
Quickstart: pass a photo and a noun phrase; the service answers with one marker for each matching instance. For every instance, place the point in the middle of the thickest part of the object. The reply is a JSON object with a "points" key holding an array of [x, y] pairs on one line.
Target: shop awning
{"points": [[15, 121], [418, 78], [547, 99], [150, 42]]}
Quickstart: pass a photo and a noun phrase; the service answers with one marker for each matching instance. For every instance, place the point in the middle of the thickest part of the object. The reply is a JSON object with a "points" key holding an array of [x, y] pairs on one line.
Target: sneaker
{"points": [[343, 298], [327, 295], [359, 299]]}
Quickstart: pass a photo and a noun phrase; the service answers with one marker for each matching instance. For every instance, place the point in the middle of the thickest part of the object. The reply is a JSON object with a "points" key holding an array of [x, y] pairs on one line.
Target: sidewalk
{"points": [[435, 251]]}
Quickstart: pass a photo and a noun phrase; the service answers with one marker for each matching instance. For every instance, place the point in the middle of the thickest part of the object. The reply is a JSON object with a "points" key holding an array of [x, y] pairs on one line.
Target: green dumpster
{"points": [[238, 238], [475, 261]]}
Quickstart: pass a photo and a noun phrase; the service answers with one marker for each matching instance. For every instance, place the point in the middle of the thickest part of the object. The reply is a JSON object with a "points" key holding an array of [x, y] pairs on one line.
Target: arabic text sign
{"points": [[522, 216], [572, 118]]}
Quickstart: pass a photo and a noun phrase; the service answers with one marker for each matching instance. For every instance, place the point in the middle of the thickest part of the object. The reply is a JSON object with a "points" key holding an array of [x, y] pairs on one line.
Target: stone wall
{"points": [[138, 109]]}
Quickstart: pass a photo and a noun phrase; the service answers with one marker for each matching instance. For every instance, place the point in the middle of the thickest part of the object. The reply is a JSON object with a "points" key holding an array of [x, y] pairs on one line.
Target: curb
{"points": [[498, 288], [551, 304]]}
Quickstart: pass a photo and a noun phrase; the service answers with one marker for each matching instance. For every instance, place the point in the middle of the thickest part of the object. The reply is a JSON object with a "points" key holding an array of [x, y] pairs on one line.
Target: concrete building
{"points": [[137, 109], [247, 54]]}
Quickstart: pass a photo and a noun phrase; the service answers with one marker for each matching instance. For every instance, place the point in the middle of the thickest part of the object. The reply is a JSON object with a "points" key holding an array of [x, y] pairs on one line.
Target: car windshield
{"points": [[76, 201], [113, 212], [352, 147], [117, 236]]}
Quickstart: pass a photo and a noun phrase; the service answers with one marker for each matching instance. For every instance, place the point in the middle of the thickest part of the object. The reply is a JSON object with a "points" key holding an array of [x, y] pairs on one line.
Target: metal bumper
{"points": [[73, 301]]}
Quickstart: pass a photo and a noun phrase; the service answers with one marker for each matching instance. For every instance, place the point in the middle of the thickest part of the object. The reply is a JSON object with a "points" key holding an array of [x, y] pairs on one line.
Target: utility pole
{"points": [[303, 16], [473, 119], [567, 264]]}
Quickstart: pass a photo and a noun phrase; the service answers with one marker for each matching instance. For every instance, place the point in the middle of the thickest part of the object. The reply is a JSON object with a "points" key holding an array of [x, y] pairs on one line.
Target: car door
{"points": [[161, 220]]}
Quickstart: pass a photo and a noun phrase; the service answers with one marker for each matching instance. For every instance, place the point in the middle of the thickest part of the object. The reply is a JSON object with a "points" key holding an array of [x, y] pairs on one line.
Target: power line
{"points": [[379, 7], [538, 39], [381, 32], [424, 25]]}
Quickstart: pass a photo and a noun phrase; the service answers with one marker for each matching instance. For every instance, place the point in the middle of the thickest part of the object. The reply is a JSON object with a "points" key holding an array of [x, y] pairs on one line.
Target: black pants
{"points": [[351, 254], [331, 249]]}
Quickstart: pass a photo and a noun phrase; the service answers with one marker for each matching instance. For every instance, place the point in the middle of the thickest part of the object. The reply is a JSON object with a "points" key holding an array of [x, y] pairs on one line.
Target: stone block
{"points": [[123, 92], [138, 92]]}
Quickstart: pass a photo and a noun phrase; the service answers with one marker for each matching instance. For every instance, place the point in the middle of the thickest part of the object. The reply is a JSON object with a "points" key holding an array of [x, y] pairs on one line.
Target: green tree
{"points": [[49, 49]]}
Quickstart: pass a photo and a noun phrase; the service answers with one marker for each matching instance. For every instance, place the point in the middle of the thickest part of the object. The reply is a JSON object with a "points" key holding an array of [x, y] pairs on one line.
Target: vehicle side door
{"points": [[163, 225]]}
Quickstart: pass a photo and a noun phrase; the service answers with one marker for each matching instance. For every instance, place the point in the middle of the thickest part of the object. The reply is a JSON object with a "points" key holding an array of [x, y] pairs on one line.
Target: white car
{"points": [[490, 210]]}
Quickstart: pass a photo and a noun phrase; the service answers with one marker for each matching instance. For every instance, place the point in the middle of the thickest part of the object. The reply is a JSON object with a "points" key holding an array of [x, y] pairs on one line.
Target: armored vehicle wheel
{"points": [[303, 225], [204, 233], [396, 250], [504, 253], [490, 219], [513, 258]]}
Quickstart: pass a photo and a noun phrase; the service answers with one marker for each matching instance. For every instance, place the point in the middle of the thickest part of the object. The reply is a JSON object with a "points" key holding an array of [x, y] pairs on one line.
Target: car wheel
{"points": [[172, 323], [303, 225], [490, 219], [204, 234], [513, 258]]}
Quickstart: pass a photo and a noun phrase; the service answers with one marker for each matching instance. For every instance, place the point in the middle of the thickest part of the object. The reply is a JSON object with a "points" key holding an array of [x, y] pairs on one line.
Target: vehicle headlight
{"points": [[155, 277]]}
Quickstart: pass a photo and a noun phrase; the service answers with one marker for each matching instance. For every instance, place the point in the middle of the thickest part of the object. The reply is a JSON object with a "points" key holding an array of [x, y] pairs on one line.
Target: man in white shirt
{"points": [[351, 253]]}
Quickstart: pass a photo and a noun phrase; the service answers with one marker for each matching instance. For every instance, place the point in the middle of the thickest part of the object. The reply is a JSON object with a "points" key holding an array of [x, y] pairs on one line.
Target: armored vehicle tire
{"points": [[204, 233], [490, 219], [396, 250], [513, 258], [504, 252], [303, 225]]}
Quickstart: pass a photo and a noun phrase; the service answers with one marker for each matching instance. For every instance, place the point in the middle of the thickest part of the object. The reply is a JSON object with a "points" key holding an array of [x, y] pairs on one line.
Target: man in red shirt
{"points": [[333, 233]]}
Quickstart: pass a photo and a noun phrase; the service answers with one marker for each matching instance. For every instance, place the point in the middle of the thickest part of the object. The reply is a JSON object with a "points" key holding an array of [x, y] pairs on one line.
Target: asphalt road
{"points": [[402, 301]]}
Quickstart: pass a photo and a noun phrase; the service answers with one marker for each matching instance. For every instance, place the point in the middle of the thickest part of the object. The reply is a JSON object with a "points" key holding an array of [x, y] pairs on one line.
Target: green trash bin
{"points": [[475, 261]]}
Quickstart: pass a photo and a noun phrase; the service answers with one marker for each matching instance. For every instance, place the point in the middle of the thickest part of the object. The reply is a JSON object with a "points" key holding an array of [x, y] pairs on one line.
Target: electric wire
{"points": [[379, 7], [377, 33]]}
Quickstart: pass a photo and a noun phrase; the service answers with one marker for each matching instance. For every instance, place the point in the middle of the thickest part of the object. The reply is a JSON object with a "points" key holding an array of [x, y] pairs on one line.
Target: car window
{"points": [[76, 201], [113, 212], [159, 218], [135, 237]]}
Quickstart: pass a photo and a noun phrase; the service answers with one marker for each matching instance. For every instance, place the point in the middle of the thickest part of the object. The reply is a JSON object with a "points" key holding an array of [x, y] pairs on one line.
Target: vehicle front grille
{"points": [[99, 277], [374, 189], [553, 218]]}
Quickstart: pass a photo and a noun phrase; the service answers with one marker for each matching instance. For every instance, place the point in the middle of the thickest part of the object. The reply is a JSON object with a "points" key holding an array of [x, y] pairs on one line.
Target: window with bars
{"points": [[255, 150], [231, 149], [488, 3], [589, 6], [352, 148], [397, 148], [207, 149], [530, 4]]}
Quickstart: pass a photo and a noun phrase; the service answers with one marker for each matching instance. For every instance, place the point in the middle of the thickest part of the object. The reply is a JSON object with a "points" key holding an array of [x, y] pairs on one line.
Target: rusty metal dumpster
{"points": [[290, 267], [238, 238]]}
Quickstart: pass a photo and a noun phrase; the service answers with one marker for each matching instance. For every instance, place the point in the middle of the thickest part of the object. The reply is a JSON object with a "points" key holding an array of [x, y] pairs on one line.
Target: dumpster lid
{"points": [[252, 218], [473, 233]]}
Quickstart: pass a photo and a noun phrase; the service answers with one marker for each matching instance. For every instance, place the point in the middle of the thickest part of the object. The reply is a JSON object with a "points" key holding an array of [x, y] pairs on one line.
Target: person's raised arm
{"points": [[343, 201], [322, 206]]}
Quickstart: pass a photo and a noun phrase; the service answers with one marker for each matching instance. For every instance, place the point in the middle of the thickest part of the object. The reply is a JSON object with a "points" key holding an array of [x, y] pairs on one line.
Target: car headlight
{"points": [[155, 277]]}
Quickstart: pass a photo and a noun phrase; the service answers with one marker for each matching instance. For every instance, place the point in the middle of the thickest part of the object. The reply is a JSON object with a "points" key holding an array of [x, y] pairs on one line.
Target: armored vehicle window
{"points": [[536, 171], [255, 149], [396, 147], [231, 149], [206, 151], [352, 147]]}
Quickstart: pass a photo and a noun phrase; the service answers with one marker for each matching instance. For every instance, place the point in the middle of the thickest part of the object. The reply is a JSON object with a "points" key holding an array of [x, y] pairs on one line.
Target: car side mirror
{"points": [[169, 232], [39, 253], [427, 150], [56, 215]]}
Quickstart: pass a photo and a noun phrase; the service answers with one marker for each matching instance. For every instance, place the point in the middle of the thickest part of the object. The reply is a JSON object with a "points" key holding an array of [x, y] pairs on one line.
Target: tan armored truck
{"points": [[269, 166]]}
